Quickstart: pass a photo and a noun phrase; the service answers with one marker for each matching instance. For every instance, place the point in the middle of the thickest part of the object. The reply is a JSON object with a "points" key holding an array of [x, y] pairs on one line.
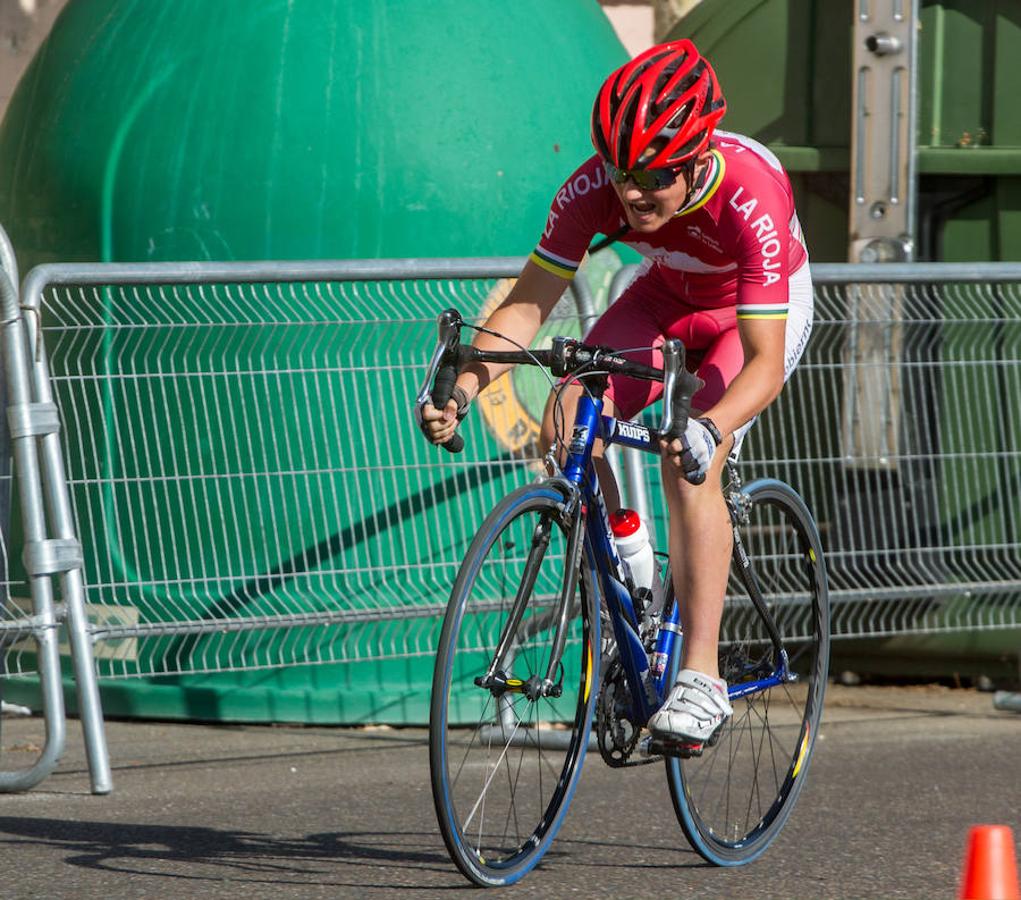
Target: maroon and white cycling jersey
{"points": [[736, 245]]}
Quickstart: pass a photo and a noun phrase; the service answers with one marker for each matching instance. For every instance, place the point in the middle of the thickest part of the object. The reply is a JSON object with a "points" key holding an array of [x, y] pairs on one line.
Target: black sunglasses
{"points": [[645, 179]]}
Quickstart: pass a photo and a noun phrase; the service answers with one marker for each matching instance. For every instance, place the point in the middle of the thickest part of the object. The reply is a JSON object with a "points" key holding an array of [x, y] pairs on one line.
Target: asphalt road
{"points": [[899, 776]]}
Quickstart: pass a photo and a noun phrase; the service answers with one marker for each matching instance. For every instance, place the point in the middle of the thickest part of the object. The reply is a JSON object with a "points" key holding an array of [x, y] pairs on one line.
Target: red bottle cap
{"points": [[624, 522]]}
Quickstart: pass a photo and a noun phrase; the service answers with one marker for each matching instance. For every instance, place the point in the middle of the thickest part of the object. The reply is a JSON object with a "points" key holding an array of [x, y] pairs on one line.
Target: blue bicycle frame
{"points": [[648, 688]]}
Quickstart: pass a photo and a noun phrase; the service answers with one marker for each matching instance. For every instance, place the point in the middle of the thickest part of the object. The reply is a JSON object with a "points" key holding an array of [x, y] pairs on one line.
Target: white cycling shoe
{"points": [[692, 715]]}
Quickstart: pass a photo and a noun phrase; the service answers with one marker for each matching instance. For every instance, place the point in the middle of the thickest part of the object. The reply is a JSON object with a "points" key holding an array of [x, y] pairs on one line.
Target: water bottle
{"points": [[635, 548]]}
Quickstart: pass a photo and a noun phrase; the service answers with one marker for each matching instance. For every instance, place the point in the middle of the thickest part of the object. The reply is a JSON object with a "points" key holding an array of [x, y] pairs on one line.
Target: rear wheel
{"points": [[505, 760], [734, 799]]}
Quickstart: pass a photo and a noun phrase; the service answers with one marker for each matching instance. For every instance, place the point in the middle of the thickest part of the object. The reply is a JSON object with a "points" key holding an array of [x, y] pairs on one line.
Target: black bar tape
{"points": [[443, 390]]}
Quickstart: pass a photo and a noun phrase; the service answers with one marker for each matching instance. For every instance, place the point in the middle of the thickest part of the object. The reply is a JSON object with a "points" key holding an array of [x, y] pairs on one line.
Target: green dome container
{"points": [[235, 130], [281, 130]]}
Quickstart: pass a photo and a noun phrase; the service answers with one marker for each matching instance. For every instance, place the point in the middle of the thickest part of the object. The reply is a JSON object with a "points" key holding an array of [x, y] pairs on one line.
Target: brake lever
{"points": [[438, 385], [449, 326], [679, 386]]}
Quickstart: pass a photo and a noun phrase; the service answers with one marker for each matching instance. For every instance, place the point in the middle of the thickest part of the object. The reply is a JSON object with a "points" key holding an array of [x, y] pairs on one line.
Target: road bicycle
{"points": [[546, 647]]}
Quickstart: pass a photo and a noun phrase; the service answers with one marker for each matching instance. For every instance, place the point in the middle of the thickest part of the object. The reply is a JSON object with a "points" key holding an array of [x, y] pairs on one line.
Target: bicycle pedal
{"points": [[679, 749], [684, 749]]}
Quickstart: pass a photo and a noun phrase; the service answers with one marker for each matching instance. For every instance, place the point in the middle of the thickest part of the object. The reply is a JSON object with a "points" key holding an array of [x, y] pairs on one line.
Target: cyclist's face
{"points": [[648, 210]]}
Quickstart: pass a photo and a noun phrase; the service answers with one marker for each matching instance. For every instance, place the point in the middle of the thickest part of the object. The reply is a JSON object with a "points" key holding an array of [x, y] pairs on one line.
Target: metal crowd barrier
{"points": [[248, 490], [49, 548]]}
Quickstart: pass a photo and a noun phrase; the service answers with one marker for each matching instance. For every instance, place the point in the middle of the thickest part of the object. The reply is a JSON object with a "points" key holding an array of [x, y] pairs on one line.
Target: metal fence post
{"points": [[24, 419], [9, 266], [58, 503]]}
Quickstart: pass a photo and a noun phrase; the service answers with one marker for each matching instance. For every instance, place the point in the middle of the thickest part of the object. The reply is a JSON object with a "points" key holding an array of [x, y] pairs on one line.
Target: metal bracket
{"points": [[53, 556], [25, 419], [883, 173]]}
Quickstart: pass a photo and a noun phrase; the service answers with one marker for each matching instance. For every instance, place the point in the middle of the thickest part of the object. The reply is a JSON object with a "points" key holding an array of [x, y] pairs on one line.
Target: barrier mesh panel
{"points": [[250, 489], [248, 482]]}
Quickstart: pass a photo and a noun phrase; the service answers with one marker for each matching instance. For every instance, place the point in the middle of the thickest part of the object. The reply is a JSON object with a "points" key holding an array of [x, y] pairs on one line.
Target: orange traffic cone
{"points": [[990, 870]]}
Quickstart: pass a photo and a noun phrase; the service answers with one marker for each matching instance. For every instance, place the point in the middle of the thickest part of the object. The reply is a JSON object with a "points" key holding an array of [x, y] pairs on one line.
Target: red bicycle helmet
{"points": [[659, 110]]}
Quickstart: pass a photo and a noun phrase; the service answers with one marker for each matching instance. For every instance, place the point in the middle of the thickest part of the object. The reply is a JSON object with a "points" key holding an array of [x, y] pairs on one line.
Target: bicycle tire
{"points": [[499, 764], [733, 801]]}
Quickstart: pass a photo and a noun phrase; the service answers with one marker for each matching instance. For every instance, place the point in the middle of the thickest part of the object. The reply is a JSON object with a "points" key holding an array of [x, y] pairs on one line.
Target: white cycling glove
{"points": [[699, 442]]}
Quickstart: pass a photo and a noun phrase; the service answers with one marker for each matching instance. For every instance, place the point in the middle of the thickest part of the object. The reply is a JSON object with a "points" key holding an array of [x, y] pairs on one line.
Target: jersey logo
{"points": [[696, 233], [765, 234], [579, 186], [678, 259]]}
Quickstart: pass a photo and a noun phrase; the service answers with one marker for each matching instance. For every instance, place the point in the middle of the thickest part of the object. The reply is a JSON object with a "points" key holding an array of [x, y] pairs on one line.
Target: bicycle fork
{"points": [[497, 678]]}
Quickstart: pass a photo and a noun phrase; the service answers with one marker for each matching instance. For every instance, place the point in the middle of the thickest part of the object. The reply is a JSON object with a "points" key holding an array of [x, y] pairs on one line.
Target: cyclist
{"points": [[725, 270]]}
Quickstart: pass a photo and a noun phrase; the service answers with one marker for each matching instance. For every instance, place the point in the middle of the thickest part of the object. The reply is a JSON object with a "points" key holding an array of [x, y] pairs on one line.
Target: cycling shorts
{"points": [[647, 313]]}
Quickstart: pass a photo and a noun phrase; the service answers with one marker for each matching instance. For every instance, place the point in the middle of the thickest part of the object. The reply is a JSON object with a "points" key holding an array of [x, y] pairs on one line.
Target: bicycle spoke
{"points": [[489, 779], [512, 808]]}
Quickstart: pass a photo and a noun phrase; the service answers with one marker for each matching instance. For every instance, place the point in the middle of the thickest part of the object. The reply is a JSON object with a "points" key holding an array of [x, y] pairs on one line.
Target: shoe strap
{"points": [[698, 690]]}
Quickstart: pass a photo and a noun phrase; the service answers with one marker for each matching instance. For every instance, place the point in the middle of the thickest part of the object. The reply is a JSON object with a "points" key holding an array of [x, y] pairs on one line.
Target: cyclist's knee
{"points": [[558, 417], [679, 488], [546, 432]]}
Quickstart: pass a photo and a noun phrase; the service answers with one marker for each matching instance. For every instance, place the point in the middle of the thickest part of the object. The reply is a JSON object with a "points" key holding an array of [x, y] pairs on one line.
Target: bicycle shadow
{"points": [[180, 853]]}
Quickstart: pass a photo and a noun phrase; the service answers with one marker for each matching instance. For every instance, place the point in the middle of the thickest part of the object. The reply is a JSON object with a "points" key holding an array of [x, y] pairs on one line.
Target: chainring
{"points": [[616, 734]]}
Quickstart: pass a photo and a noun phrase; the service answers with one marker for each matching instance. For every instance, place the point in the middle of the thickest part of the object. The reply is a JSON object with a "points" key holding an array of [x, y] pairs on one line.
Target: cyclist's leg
{"points": [[700, 547], [701, 540], [701, 543], [700, 537]]}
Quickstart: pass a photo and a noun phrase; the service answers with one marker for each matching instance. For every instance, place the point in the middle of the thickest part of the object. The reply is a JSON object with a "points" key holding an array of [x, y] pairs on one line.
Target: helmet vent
{"points": [[627, 115], [681, 116], [691, 147]]}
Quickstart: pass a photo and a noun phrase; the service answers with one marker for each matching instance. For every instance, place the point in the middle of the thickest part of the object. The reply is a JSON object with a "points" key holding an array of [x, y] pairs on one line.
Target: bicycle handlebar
{"points": [[566, 357]]}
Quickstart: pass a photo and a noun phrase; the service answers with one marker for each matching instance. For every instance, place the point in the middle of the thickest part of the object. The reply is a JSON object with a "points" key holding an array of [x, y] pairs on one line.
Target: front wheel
{"points": [[505, 759], [733, 800]]}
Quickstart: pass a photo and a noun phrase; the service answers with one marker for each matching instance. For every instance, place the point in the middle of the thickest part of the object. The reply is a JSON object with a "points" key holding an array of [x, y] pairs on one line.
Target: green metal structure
{"points": [[785, 66], [275, 130]]}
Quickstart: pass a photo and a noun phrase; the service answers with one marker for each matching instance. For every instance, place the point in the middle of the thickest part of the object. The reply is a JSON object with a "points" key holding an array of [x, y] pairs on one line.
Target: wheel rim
{"points": [[509, 760], [738, 794]]}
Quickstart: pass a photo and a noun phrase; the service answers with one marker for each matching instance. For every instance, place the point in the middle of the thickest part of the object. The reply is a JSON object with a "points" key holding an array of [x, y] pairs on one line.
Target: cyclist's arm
{"points": [[578, 210], [519, 317], [761, 377]]}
